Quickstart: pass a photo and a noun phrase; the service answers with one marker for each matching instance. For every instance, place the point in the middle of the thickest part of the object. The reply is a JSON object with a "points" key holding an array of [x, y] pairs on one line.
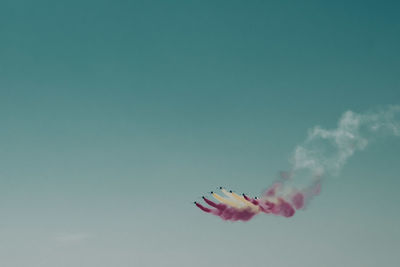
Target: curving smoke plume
{"points": [[322, 154]]}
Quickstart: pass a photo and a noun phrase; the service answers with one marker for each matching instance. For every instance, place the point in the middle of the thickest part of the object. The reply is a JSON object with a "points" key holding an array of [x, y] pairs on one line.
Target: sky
{"points": [[116, 115]]}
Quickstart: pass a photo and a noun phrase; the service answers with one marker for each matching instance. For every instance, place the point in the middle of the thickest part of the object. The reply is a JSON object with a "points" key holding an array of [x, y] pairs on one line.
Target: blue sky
{"points": [[116, 115]]}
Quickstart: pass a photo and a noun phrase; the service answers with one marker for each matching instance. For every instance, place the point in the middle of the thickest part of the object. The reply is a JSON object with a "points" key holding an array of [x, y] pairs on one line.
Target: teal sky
{"points": [[116, 115]]}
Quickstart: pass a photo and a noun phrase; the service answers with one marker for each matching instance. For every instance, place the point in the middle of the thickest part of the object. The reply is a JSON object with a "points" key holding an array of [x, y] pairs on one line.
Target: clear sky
{"points": [[116, 115]]}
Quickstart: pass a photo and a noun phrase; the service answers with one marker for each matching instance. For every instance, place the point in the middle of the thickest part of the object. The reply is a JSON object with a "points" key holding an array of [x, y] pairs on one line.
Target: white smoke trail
{"points": [[326, 151]]}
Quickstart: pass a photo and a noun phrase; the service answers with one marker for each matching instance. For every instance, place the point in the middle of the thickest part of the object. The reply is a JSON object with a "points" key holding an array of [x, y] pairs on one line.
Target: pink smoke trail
{"points": [[322, 154], [202, 207]]}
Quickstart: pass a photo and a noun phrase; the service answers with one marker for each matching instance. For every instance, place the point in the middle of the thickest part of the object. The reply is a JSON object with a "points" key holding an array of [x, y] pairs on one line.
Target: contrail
{"points": [[322, 154]]}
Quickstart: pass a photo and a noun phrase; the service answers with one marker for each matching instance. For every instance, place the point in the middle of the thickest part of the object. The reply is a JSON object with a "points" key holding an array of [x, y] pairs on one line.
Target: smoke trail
{"points": [[322, 154], [326, 151]]}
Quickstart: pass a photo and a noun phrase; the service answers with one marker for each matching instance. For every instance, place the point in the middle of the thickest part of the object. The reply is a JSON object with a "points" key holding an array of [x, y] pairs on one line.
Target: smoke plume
{"points": [[322, 154]]}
